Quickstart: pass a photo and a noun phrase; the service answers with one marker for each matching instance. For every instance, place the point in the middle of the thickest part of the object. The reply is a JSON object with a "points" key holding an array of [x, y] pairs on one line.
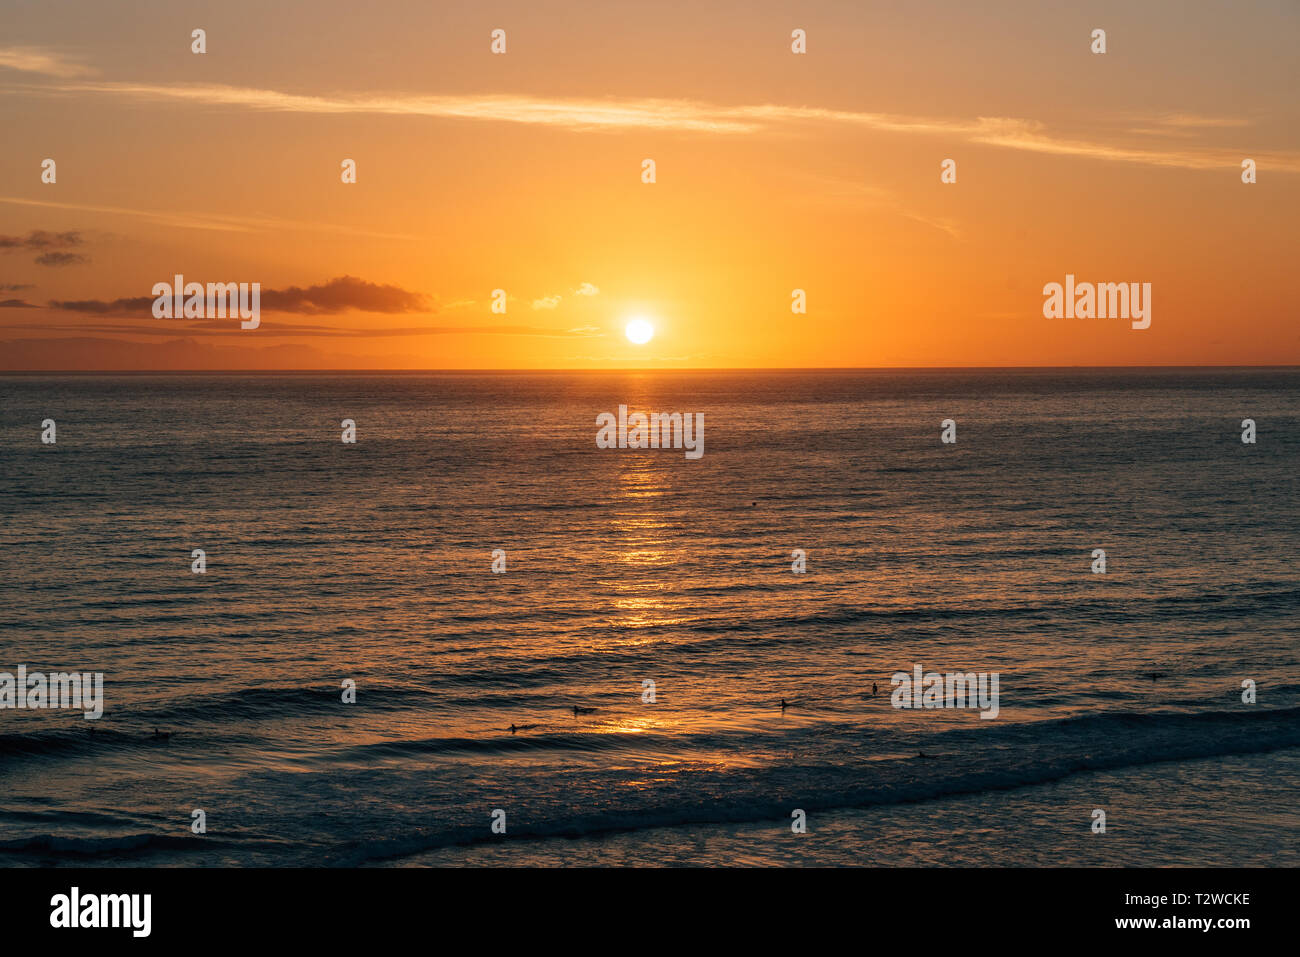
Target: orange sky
{"points": [[522, 172]]}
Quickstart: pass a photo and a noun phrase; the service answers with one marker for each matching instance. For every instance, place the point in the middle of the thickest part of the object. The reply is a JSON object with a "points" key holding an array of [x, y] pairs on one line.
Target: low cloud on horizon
{"points": [[343, 294]]}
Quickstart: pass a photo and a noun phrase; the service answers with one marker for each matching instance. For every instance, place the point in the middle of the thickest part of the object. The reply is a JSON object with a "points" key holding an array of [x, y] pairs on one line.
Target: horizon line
{"points": [[577, 371]]}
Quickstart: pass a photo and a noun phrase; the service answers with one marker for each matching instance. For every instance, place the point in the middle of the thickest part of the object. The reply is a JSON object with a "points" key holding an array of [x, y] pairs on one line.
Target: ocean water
{"points": [[372, 562]]}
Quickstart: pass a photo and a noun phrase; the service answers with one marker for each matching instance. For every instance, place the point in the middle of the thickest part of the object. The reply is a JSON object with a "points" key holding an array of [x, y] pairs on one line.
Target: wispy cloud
{"points": [[1197, 121], [843, 192], [1033, 137], [575, 114], [1183, 125], [587, 115], [689, 116], [219, 222], [45, 62], [585, 289]]}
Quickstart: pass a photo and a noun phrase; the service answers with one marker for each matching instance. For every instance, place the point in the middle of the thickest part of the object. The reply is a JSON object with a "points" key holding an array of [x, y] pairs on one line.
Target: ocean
{"points": [[370, 566]]}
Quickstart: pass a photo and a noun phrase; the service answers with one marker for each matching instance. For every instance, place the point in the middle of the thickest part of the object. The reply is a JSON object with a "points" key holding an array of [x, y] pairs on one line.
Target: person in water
{"points": [[873, 689], [783, 704]]}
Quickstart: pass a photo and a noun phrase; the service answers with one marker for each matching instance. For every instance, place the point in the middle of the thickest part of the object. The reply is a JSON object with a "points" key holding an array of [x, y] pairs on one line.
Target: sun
{"points": [[640, 331]]}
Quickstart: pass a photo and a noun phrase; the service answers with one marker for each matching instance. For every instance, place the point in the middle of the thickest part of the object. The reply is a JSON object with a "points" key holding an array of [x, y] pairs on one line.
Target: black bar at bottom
{"points": [[602, 907]]}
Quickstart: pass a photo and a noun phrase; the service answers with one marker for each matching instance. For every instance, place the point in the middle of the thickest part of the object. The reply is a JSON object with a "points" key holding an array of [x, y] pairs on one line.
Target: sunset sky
{"points": [[522, 171]]}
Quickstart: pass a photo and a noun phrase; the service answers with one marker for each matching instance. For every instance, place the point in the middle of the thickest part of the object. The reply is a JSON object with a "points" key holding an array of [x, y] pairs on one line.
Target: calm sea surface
{"points": [[373, 562]]}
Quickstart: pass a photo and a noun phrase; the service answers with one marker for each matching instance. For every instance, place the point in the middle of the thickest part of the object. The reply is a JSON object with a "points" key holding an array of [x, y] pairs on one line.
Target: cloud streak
{"points": [[691, 116], [37, 60], [227, 223], [172, 329]]}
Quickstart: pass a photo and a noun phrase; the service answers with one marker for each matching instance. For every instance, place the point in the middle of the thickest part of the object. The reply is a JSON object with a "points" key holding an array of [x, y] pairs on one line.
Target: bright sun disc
{"points": [[640, 331]]}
